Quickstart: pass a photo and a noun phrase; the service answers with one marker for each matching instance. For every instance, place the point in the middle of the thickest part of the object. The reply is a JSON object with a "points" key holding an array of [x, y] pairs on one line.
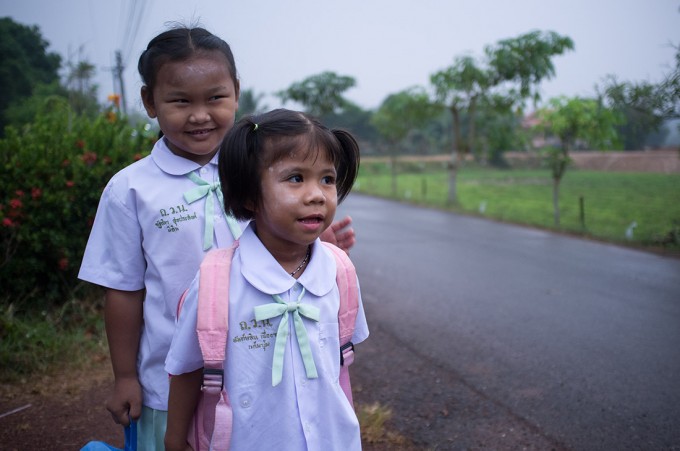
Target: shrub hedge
{"points": [[54, 171]]}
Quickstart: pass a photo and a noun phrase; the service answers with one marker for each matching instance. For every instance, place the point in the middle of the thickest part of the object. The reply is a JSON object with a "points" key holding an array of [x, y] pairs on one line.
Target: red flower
{"points": [[16, 204], [138, 156], [65, 163], [19, 193], [80, 144], [63, 264], [89, 158], [36, 193], [7, 222], [69, 184]]}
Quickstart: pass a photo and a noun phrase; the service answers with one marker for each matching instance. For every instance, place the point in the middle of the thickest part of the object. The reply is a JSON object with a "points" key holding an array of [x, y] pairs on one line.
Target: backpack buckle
{"points": [[212, 378], [347, 353]]}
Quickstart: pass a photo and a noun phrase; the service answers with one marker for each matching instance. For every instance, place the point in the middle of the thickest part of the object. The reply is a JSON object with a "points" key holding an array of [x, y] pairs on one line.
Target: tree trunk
{"points": [[393, 164], [558, 171], [471, 127], [452, 198], [556, 200], [453, 172]]}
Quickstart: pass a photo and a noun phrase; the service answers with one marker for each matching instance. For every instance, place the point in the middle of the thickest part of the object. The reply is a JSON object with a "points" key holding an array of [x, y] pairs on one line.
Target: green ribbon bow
{"points": [[203, 190], [281, 308]]}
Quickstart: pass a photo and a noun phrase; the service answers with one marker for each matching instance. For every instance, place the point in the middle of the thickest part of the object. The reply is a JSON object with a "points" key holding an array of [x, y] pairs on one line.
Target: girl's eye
{"points": [[328, 180], [216, 98], [295, 178]]}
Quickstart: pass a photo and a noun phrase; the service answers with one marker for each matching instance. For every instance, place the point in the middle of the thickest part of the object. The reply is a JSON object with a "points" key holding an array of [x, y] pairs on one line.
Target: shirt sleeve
{"points": [[185, 353], [114, 257]]}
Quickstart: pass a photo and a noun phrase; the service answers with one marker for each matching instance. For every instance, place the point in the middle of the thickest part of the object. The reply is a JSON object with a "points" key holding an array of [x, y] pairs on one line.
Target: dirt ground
{"points": [[62, 411], [431, 408], [66, 410]]}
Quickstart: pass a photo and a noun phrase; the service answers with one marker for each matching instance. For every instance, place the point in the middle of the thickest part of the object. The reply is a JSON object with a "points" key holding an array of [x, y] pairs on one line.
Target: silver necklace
{"points": [[304, 261]]}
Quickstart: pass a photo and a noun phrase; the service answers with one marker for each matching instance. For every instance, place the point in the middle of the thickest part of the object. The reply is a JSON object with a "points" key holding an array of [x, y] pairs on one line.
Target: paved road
{"points": [[559, 342]]}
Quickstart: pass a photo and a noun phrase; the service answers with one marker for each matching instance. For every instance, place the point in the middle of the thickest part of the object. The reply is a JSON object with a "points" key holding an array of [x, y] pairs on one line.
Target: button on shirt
{"points": [[298, 413], [145, 235]]}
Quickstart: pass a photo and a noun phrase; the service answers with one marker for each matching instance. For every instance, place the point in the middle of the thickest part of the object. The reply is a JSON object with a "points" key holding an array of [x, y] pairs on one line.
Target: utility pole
{"points": [[118, 74]]}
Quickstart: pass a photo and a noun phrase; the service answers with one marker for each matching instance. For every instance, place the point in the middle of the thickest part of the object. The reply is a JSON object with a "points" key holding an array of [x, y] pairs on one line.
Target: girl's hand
{"points": [[341, 234], [179, 445], [125, 403]]}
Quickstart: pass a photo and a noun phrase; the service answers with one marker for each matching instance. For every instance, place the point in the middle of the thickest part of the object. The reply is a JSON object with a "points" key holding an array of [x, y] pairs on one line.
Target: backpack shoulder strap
{"points": [[212, 323], [212, 328], [346, 279]]}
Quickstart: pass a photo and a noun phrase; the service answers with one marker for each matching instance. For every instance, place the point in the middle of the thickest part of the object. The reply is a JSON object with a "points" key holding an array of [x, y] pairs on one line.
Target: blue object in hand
{"points": [[130, 441]]}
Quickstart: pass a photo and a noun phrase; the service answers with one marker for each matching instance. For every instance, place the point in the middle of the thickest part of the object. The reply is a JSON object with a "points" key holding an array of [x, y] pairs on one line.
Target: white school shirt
{"points": [[145, 235], [299, 413]]}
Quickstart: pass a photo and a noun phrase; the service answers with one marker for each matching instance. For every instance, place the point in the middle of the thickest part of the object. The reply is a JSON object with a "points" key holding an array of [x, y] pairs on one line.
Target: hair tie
{"points": [[255, 128]]}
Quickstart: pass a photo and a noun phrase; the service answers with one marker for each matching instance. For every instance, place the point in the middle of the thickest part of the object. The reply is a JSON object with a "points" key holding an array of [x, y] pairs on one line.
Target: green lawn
{"points": [[612, 200]]}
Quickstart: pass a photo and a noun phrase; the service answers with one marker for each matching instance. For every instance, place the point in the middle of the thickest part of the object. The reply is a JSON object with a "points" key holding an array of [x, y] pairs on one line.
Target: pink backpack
{"points": [[212, 328]]}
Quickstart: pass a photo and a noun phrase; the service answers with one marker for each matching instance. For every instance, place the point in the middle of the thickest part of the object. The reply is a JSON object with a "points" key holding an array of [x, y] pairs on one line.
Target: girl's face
{"points": [[195, 101], [298, 200]]}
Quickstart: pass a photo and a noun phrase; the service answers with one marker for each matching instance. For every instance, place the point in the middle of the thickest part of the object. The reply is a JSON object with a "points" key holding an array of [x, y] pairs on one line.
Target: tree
{"points": [[499, 129], [671, 88], [356, 120], [24, 112], [320, 94], [511, 69], [572, 120], [642, 106], [397, 116], [24, 63], [645, 106], [82, 93], [249, 103]]}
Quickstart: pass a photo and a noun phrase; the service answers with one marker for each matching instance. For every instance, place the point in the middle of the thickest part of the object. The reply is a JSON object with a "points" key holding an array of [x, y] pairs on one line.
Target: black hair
{"points": [[257, 141], [178, 44]]}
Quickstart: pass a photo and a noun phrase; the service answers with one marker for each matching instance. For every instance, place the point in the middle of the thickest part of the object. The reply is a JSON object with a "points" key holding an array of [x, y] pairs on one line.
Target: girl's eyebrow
{"points": [[298, 168], [176, 92], [184, 92], [218, 88]]}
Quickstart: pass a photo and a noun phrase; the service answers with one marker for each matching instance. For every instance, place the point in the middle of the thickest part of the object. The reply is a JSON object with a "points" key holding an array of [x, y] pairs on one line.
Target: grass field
{"points": [[612, 201]]}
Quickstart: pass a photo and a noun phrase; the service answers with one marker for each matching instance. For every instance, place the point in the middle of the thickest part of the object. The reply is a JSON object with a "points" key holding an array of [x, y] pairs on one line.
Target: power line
{"points": [[132, 21]]}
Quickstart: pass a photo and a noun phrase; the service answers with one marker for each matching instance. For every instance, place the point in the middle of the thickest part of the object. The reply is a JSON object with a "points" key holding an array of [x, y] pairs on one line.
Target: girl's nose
{"points": [[315, 194], [199, 115]]}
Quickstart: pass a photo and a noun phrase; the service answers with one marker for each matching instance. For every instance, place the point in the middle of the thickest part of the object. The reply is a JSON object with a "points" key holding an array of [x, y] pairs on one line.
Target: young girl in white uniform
{"points": [[286, 173], [157, 218]]}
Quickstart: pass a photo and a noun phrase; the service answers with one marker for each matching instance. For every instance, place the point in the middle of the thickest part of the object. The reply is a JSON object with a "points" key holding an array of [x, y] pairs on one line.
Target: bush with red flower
{"points": [[54, 171]]}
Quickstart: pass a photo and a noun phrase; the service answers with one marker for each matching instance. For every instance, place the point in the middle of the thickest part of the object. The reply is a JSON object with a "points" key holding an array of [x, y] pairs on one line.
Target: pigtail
{"points": [[348, 164], [237, 167]]}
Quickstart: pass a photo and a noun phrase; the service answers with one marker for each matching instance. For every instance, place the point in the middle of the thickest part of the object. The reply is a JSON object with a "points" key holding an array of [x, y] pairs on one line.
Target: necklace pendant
{"points": [[304, 261]]}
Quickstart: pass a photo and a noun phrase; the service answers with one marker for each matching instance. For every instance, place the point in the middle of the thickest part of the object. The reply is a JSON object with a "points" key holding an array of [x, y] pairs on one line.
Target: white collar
{"points": [[263, 272], [173, 164]]}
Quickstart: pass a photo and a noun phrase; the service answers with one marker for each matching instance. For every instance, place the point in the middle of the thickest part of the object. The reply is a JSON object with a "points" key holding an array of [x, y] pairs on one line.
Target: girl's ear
{"points": [[147, 99], [250, 206], [237, 91]]}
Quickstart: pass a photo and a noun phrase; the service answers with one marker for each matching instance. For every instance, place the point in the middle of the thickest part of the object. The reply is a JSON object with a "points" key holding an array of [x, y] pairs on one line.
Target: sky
{"points": [[385, 45]]}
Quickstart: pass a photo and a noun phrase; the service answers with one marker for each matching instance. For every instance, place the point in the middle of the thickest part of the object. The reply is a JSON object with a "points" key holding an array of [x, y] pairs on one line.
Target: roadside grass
{"points": [[42, 342], [602, 205], [375, 433]]}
